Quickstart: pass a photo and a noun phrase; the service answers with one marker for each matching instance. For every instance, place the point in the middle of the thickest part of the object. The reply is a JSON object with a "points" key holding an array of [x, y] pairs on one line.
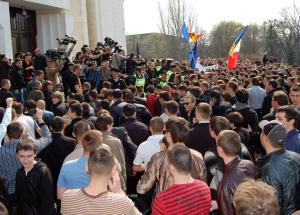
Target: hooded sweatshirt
{"points": [[34, 193]]}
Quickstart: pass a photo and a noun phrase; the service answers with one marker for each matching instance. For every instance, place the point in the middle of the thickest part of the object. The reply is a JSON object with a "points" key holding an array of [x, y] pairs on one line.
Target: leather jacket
{"points": [[281, 170], [158, 173], [234, 173]]}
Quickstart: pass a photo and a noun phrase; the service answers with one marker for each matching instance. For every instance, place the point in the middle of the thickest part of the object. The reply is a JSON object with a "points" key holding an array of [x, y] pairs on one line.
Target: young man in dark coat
{"points": [[33, 183]]}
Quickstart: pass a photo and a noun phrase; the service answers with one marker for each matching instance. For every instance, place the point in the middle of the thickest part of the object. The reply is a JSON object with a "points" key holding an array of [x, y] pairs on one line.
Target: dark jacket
{"points": [[69, 129], [142, 113], [116, 111], [131, 65], [137, 131], [199, 138], [267, 103], [4, 70], [119, 84], [16, 78], [35, 95], [220, 108], [281, 170], [4, 94], [234, 173], [34, 195], [60, 109], [129, 147], [55, 153], [40, 62]]}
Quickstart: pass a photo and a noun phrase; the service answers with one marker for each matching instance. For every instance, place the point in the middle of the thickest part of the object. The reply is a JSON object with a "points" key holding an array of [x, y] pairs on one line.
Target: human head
{"points": [[5, 84], [177, 130], [157, 125], [218, 124], [255, 81], [236, 119], [129, 111], [37, 85], [114, 73], [203, 112], [279, 99], [19, 108], [101, 163], [57, 97], [256, 197], [271, 85], [104, 122], [14, 131], [204, 86], [242, 96], [171, 108], [37, 52], [163, 97], [57, 124], [232, 87], [18, 62], [179, 159], [39, 75], [288, 116], [75, 110], [273, 135], [182, 90], [80, 128], [77, 69], [228, 143], [189, 102], [41, 104], [91, 140], [295, 95], [26, 152]]}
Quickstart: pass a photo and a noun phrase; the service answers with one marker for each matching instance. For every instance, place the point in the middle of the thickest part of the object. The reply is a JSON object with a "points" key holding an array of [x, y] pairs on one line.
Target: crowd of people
{"points": [[106, 133]]}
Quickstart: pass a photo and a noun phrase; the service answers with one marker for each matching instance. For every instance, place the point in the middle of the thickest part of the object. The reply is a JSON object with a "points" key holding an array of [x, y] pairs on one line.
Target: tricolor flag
{"points": [[185, 33], [193, 37], [235, 49]]}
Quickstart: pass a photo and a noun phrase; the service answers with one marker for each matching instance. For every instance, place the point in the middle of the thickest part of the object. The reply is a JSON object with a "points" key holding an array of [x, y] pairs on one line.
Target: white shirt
{"points": [[5, 121], [29, 125], [147, 149]]}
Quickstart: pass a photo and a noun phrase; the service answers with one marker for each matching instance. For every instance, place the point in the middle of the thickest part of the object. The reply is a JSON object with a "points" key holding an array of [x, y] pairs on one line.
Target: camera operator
{"points": [[54, 66]]}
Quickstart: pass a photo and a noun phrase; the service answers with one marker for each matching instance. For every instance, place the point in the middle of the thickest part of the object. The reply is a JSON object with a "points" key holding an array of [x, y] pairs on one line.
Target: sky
{"points": [[141, 16]]}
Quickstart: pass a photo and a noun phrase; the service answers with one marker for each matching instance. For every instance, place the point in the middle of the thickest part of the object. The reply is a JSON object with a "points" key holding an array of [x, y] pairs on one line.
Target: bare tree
{"points": [[174, 15]]}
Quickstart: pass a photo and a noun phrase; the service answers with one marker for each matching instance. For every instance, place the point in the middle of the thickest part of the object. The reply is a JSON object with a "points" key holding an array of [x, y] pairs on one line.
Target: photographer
{"points": [[118, 60]]}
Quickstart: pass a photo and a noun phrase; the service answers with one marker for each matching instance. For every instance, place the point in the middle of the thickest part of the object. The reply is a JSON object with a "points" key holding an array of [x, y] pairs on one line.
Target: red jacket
{"points": [[150, 103]]}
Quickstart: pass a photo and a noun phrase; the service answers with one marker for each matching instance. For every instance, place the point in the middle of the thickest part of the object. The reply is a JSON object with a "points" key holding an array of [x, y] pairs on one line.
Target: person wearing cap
{"points": [[280, 168], [116, 81], [288, 116]]}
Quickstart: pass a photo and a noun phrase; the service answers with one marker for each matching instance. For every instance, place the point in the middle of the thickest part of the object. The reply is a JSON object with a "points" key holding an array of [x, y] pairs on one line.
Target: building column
{"points": [[5, 30]]}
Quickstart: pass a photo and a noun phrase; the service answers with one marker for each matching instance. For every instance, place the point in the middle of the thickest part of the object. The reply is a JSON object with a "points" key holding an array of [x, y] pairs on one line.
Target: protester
{"points": [[179, 160]]}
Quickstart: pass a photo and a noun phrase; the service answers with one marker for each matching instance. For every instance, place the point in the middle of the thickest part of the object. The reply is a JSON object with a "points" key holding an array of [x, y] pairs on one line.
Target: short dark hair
{"points": [[117, 93], [103, 120], [76, 108], [164, 95], [236, 118], [230, 142], [39, 72], [255, 81], [233, 85], [171, 106], [218, 124], [281, 98], [273, 83], [91, 140], [57, 124], [178, 129], [93, 94], [181, 158], [129, 96], [215, 94], [204, 109], [26, 145], [80, 128], [183, 88], [129, 110], [150, 89], [14, 130], [157, 124], [101, 161], [290, 113], [79, 97], [242, 96]]}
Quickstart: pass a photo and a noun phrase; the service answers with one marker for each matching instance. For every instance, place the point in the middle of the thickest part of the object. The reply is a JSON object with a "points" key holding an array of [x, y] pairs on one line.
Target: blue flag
{"points": [[138, 49], [193, 55], [185, 33]]}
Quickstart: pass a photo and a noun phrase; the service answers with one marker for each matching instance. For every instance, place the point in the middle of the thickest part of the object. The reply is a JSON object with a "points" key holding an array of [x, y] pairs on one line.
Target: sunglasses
{"points": [[186, 103]]}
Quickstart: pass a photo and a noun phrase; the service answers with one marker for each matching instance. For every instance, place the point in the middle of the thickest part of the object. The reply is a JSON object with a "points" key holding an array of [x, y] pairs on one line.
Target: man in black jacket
{"points": [[75, 113], [199, 137], [4, 67], [33, 183], [116, 81], [40, 60], [116, 109], [55, 153], [59, 107], [17, 80], [270, 87], [280, 168], [5, 92]]}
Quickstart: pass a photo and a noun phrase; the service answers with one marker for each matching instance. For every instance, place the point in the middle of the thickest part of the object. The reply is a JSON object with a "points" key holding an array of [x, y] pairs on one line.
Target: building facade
{"points": [[27, 24]]}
